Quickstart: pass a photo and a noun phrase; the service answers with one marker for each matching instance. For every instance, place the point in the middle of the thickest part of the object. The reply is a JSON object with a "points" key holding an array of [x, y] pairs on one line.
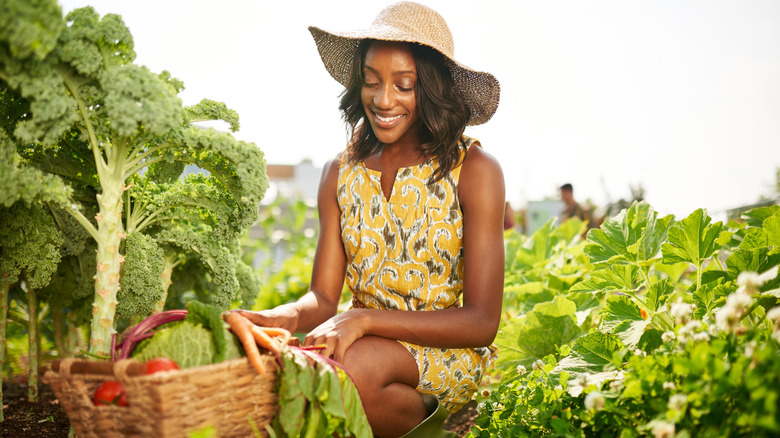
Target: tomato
{"points": [[159, 364], [110, 393]]}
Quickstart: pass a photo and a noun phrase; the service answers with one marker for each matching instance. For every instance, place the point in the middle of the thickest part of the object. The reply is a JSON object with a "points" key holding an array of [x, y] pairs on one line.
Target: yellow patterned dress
{"points": [[407, 254]]}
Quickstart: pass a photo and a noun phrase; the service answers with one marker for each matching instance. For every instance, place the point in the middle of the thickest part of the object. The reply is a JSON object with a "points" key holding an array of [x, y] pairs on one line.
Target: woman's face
{"points": [[388, 92]]}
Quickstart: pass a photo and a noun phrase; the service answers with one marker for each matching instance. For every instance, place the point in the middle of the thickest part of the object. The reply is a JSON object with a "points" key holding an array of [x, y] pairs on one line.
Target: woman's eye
{"points": [[405, 89]]}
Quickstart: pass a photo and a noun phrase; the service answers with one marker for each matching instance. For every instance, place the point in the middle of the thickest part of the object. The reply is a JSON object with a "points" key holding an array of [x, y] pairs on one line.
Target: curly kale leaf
{"points": [[29, 245], [31, 27], [208, 110], [141, 283], [218, 266]]}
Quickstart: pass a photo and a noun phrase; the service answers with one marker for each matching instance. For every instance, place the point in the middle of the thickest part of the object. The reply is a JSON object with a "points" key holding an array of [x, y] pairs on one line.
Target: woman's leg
{"points": [[386, 376]]}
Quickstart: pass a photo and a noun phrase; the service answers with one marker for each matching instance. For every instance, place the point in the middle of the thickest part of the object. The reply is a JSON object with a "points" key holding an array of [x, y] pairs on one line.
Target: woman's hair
{"points": [[443, 113]]}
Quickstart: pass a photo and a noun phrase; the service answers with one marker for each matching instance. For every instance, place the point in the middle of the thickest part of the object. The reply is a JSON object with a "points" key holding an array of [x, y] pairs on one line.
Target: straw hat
{"points": [[414, 23]]}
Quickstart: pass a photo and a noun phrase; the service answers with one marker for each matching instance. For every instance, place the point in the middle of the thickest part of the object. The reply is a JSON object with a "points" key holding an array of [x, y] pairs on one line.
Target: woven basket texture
{"points": [[225, 396]]}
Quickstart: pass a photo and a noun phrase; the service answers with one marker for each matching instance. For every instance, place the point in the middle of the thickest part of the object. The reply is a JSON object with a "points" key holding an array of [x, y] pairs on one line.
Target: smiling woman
{"points": [[411, 217]]}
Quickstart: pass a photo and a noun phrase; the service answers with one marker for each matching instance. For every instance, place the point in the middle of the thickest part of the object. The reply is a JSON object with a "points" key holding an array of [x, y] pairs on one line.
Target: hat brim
{"points": [[481, 91]]}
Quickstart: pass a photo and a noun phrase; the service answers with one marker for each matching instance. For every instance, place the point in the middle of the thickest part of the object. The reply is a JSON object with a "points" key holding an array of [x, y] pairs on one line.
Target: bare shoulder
{"points": [[481, 168]]}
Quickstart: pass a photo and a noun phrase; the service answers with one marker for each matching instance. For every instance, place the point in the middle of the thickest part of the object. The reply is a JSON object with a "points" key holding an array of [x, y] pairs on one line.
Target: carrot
{"points": [[264, 340], [277, 331], [242, 327]]}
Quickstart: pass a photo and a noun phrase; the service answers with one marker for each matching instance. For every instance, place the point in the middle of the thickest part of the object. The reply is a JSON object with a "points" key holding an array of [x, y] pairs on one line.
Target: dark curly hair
{"points": [[443, 113]]}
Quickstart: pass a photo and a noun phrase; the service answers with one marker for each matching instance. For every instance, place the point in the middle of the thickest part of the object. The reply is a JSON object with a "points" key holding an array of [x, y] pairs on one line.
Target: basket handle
{"points": [[131, 368]]}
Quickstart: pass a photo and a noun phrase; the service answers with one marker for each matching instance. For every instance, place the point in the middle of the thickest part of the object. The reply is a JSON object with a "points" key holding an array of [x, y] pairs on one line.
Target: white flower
{"points": [[774, 315], [701, 337], [693, 326], [521, 370], [538, 364], [740, 302], [669, 386], [749, 281], [662, 429], [640, 353], [727, 317], [750, 349], [485, 393], [677, 401], [594, 400], [776, 336], [497, 406], [667, 336], [681, 311], [481, 408]]}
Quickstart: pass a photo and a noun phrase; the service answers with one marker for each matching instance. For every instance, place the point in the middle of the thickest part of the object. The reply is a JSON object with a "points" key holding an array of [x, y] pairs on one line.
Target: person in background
{"points": [[571, 207], [412, 216]]}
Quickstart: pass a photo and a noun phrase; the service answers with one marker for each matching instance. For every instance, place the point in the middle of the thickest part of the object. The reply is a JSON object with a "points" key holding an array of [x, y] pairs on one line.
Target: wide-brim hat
{"points": [[413, 23]]}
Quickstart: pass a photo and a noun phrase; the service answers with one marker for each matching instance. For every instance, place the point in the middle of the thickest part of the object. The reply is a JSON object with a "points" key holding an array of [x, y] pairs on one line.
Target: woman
{"points": [[411, 214]]}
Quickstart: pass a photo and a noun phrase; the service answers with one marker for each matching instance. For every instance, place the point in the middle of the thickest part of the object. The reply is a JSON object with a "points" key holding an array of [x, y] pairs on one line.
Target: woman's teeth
{"points": [[387, 119]]}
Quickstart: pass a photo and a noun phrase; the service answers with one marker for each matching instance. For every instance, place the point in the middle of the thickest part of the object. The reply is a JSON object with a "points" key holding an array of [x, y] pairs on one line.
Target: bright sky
{"points": [[682, 97]]}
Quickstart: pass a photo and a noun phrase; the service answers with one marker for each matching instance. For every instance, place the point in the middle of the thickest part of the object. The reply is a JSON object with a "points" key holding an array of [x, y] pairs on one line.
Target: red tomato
{"points": [[159, 364], [110, 393]]}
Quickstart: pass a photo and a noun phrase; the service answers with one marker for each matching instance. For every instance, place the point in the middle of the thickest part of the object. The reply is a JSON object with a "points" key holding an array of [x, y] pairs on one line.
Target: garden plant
{"points": [[649, 327]]}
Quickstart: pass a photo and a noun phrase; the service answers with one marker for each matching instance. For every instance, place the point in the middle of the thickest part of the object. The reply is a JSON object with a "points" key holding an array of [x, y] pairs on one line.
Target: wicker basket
{"points": [[231, 397]]}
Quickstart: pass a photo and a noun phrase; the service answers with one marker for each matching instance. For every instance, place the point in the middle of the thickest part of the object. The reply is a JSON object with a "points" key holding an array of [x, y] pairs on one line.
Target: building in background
{"points": [[293, 181]]}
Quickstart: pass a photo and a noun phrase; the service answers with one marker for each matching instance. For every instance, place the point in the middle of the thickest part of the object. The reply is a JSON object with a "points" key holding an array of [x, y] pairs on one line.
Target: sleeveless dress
{"points": [[407, 254]]}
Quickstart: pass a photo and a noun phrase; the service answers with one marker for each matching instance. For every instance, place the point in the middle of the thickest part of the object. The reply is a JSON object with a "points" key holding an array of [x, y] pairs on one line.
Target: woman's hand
{"points": [[285, 316], [338, 333]]}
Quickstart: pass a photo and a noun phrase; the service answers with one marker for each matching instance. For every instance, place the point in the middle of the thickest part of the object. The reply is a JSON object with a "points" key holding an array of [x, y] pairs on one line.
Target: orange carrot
{"points": [[264, 340], [277, 331], [242, 327]]}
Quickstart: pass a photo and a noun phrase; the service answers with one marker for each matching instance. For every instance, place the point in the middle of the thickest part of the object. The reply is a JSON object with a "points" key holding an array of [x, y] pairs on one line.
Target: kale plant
{"points": [[117, 137]]}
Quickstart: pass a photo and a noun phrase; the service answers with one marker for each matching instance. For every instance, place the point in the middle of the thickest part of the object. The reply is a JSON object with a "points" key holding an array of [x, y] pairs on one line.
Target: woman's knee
{"points": [[373, 361]]}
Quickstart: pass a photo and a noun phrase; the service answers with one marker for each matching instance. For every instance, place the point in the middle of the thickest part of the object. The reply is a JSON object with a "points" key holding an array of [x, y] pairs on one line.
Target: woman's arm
{"points": [[481, 193], [321, 302]]}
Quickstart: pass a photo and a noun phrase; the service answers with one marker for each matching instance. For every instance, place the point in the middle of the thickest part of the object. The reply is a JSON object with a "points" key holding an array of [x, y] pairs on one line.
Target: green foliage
{"points": [[104, 140], [202, 338], [287, 239], [317, 399], [668, 353], [29, 245]]}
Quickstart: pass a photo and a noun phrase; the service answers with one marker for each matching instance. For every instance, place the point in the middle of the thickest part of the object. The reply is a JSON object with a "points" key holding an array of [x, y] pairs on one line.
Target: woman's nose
{"points": [[384, 96]]}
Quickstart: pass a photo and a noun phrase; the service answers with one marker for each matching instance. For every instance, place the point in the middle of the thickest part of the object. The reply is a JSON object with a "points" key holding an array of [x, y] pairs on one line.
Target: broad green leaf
{"points": [[757, 216], [656, 293], [672, 271], [753, 260], [539, 333], [617, 309], [691, 240], [772, 228], [710, 295], [618, 278], [189, 345], [633, 236], [590, 354], [630, 332], [650, 340], [621, 316]]}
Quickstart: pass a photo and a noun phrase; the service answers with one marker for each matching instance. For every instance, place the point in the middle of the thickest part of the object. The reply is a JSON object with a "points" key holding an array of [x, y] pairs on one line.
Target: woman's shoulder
{"points": [[477, 160]]}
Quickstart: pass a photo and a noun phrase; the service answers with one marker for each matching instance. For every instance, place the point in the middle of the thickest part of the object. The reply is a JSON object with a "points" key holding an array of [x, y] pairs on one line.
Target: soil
{"points": [[47, 419], [44, 419]]}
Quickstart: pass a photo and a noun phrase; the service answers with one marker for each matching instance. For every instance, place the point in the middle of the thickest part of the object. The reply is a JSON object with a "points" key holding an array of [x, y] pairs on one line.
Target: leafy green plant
{"points": [[116, 136], [685, 341]]}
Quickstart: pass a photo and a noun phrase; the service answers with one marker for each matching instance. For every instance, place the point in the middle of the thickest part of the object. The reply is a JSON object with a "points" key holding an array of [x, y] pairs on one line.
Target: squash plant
{"points": [[681, 338]]}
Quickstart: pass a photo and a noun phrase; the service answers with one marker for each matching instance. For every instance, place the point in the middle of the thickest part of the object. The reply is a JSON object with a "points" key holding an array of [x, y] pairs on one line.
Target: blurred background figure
{"points": [[571, 207]]}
